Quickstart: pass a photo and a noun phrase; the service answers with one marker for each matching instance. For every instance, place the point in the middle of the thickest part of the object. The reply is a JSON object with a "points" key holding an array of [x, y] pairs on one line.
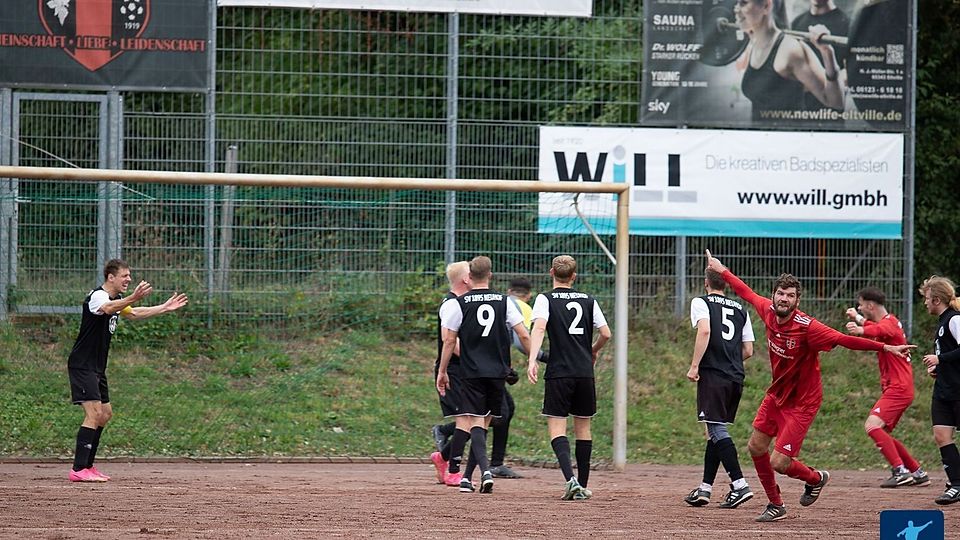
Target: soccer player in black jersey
{"points": [[940, 299], [568, 317], [87, 365], [724, 340], [477, 319], [458, 275]]}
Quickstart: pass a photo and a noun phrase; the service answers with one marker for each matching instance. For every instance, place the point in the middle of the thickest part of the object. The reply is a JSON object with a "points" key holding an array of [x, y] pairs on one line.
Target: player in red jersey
{"points": [[794, 341], [896, 387]]}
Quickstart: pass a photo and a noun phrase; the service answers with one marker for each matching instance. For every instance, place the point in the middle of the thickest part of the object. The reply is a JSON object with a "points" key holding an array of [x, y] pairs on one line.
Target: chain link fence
{"points": [[360, 93]]}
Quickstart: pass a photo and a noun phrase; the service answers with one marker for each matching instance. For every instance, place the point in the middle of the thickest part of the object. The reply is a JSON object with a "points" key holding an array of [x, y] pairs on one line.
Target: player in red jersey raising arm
{"points": [[794, 340]]}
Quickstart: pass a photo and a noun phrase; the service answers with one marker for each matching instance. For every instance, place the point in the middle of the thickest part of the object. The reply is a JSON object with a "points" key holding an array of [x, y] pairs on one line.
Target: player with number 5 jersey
{"points": [[568, 317]]}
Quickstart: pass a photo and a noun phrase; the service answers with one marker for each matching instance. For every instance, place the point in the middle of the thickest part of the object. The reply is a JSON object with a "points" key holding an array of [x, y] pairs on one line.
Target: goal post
{"points": [[379, 183]]}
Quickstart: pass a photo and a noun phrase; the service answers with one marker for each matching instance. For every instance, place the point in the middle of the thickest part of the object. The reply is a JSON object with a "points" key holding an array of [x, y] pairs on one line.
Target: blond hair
{"points": [[564, 267], [456, 271], [942, 289]]}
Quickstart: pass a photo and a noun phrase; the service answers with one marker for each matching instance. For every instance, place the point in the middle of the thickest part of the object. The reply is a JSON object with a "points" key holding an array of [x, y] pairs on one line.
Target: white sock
{"points": [[706, 487], [740, 484]]}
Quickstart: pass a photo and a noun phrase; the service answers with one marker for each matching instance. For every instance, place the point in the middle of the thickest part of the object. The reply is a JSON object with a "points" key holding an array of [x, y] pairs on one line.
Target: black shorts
{"points": [[945, 413], [88, 385], [570, 396], [451, 401], [482, 397], [718, 399]]}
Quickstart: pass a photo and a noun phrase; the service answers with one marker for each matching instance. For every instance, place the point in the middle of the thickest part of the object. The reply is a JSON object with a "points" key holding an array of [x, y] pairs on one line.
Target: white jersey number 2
{"points": [[575, 330]]}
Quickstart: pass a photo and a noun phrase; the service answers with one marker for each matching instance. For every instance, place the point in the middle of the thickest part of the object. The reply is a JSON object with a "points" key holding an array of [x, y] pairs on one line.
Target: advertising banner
{"points": [[836, 65], [550, 8], [104, 44], [727, 183]]}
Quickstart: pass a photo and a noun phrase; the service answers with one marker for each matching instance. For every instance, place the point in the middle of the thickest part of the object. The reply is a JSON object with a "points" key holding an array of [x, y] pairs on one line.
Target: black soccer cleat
{"points": [[812, 492]]}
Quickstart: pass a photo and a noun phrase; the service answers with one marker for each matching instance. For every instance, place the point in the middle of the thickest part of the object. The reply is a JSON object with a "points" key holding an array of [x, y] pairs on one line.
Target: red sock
{"points": [[887, 446], [768, 478], [911, 464], [802, 472]]}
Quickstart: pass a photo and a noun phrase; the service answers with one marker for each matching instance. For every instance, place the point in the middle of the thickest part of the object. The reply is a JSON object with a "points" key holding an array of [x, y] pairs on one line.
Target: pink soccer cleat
{"points": [[453, 479], [98, 473], [85, 475], [440, 465]]}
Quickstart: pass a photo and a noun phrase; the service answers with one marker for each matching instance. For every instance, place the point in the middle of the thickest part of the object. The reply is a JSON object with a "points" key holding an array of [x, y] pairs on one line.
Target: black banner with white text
{"points": [[104, 44]]}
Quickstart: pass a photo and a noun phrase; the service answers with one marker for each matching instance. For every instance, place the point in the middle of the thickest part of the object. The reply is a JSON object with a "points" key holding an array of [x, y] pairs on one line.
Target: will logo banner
{"points": [[94, 31], [911, 525]]}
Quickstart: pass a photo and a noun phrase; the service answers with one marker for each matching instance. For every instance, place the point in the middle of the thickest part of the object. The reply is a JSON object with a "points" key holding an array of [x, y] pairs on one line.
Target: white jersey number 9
{"points": [[486, 316]]}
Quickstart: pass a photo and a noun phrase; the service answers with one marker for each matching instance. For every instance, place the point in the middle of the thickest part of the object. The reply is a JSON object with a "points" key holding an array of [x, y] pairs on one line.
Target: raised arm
{"points": [[760, 303], [120, 305]]}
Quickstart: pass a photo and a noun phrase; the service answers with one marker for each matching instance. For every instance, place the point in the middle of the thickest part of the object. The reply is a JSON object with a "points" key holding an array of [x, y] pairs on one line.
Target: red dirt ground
{"points": [[270, 500]]}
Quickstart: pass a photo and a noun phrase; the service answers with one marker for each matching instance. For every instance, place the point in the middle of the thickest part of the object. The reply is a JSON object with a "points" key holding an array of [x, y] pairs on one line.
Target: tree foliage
{"points": [[937, 248]]}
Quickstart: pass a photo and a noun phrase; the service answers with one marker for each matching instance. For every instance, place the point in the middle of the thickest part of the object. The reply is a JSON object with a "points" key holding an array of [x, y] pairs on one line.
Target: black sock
{"points": [[711, 462], [85, 438], [501, 430], [94, 446], [561, 447], [447, 429], [951, 463], [471, 463], [728, 456], [455, 449], [583, 450], [478, 444]]}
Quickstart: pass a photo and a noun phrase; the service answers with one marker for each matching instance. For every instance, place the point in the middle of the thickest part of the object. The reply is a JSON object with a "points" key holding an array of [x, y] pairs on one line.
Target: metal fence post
{"points": [[453, 59], [680, 287], [909, 155], [210, 148], [109, 194], [8, 202], [226, 226]]}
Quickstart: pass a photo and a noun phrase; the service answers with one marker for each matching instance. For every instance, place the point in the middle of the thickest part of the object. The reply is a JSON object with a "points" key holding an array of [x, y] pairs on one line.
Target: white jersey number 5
{"points": [[728, 329]]}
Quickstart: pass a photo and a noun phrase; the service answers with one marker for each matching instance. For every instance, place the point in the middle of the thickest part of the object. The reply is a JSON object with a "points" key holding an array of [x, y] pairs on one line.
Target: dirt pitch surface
{"points": [[267, 500]]}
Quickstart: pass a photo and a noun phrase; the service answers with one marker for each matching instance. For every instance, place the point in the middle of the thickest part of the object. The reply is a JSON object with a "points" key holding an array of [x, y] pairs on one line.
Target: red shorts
{"points": [[892, 404], [789, 425]]}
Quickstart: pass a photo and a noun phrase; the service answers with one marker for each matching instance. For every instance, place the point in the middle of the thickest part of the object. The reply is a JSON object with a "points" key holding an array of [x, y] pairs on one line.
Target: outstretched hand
{"points": [[175, 302], [714, 263], [142, 290], [903, 351]]}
